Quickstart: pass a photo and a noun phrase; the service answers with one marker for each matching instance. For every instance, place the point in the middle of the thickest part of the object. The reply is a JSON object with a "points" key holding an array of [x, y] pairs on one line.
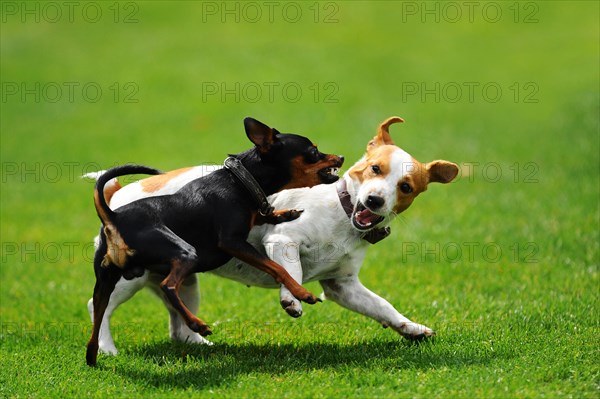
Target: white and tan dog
{"points": [[338, 221]]}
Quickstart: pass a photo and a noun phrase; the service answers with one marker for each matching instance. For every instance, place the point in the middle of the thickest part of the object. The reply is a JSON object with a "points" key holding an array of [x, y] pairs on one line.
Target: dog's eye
{"points": [[406, 188], [312, 155], [376, 169]]}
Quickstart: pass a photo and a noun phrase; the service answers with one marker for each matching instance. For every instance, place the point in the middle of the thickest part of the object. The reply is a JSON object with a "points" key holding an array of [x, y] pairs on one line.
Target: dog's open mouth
{"points": [[329, 175], [364, 219]]}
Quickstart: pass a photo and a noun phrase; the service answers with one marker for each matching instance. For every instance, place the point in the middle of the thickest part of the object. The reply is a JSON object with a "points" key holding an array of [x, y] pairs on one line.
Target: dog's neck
{"points": [[269, 177]]}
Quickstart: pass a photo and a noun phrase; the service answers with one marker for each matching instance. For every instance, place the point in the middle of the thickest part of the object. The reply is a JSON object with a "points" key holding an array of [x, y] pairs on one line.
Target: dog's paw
{"points": [[201, 329], [205, 332], [280, 216], [420, 337], [192, 338], [291, 214], [292, 306], [415, 332], [311, 299], [302, 294]]}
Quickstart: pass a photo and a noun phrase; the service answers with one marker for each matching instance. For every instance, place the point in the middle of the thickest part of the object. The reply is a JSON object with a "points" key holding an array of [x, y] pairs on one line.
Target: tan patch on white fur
{"points": [[155, 183], [383, 134], [379, 156], [417, 178], [110, 189]]}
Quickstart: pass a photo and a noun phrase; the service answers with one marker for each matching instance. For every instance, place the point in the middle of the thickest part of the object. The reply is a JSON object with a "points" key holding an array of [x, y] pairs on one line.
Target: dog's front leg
{"points": [[247, 253], [277, 217], [286, 252], [351, 294]]}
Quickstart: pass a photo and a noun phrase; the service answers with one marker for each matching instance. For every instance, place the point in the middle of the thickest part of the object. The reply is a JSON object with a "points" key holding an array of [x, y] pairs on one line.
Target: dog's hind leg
{"points": [[123, 291], [106, 279], [180, 269], [165, 247], [189, 293]]}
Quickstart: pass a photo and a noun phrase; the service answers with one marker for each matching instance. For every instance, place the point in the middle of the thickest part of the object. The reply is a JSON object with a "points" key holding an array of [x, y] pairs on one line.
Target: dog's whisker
{"points": [[401, 218]]}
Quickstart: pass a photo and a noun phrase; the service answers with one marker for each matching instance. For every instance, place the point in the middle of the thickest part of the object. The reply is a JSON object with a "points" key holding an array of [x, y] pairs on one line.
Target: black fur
{"points": [[204, 224]]}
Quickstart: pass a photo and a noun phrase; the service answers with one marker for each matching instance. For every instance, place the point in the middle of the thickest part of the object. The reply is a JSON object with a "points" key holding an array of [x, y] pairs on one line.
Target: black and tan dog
{"points": [[206, 223]]}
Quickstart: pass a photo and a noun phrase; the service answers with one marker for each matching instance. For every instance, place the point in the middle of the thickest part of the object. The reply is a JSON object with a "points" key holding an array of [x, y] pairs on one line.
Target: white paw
{"points": [[292, 306], [414, 331], [192, 338]]}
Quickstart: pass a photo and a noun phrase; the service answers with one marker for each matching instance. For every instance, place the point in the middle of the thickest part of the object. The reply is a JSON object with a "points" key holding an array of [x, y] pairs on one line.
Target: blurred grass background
{"points": [[523, 322]]}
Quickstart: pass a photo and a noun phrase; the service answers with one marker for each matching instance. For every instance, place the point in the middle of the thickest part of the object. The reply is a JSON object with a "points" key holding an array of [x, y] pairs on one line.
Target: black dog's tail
{"points": [[106, 214]]}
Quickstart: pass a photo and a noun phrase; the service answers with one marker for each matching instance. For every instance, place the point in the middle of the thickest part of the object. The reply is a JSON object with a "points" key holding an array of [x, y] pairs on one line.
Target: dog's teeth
{"points": [[332, 171]]}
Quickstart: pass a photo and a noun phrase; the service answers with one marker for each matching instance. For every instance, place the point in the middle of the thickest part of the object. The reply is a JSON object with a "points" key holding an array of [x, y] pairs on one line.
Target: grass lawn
{"points": [[503, 263]]}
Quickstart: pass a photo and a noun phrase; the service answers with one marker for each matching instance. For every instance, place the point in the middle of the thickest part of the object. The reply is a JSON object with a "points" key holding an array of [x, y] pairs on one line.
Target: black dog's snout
{"points": [[374, 202], [341, 157]]}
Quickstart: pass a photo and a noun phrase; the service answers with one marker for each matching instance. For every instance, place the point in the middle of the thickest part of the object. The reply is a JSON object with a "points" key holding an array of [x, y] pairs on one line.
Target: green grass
{"points": [[503, 266]]}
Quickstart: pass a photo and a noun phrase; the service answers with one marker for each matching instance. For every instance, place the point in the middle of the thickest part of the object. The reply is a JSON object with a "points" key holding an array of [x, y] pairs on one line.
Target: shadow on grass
{"points": [[176, 365]]}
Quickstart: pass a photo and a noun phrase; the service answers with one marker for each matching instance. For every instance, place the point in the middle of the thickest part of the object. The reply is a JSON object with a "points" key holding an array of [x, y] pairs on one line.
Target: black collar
{"points": [[235, 166], [372, 236]]}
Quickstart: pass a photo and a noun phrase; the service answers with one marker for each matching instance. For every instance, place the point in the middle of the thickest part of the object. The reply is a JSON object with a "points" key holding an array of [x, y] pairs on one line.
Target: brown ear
{"points": [[383, 135], [260, 134], [441, 171]]}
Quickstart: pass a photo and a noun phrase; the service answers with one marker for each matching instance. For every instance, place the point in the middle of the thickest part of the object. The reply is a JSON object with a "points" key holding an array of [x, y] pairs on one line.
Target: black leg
{"points": [[106, 279], [247, 253], [180, 270]]}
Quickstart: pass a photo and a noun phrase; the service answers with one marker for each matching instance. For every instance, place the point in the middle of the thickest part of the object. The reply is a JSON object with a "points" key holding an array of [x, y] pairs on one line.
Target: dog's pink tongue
{"points": [[365, 217]]}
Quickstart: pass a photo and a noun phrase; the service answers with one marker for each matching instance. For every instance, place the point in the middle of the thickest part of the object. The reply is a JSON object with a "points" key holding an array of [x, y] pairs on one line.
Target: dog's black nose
{"points": [[374, 202]]}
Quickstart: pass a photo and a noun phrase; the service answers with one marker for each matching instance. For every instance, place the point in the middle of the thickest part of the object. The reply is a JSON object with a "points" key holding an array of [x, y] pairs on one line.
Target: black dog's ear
{"points": [[260, 134]]}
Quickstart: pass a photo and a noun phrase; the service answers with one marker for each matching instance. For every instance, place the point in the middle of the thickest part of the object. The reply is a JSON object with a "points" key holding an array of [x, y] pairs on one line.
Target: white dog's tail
{"points": [[93, 175], [110, 188]]}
